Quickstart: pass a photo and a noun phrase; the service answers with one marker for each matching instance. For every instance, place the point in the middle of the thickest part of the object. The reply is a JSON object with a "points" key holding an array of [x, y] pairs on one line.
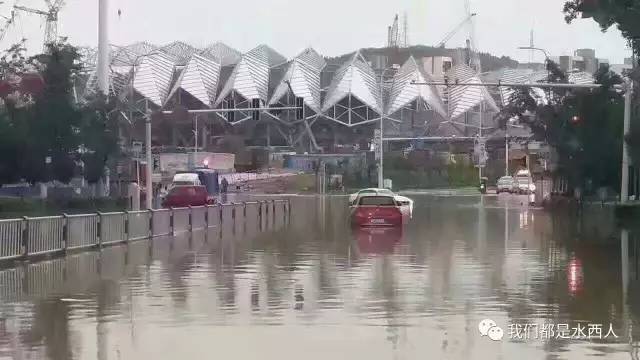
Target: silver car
{"points": [[506, 184]]}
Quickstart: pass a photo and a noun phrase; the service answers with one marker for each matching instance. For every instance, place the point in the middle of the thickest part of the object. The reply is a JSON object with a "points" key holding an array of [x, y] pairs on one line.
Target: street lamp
{"points": [[382, 117], [546, 55]]}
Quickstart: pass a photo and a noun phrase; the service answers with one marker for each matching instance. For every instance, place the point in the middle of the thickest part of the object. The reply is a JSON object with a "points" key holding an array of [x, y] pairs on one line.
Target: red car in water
{"points": [[376, 210], [187, 195]]}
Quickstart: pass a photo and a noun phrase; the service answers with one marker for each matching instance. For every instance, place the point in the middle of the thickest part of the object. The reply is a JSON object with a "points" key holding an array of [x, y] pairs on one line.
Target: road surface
{"points": [[317, 289]]}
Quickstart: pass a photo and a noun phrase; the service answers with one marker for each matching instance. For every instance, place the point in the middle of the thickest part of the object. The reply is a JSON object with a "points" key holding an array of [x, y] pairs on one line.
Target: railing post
{"points": [[65, 232], [273, 204], [151, 214], [206, 216], [100, 229], [25, 236], [172, 225], [126, 226], [260, 215], [190, 219]]}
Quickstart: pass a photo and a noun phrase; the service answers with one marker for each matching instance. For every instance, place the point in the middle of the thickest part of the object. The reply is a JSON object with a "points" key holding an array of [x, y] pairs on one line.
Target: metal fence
{"points": [[20, 238]]}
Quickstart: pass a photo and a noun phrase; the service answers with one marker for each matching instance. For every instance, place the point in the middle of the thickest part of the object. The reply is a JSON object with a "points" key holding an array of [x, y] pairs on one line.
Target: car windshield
{"points": [[377, 201], [523, 180], [385, 192], [504, 180]]}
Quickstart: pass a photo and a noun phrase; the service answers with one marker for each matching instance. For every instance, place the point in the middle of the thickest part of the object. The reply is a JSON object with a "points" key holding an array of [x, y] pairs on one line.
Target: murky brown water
{"points": [[318, 290]]}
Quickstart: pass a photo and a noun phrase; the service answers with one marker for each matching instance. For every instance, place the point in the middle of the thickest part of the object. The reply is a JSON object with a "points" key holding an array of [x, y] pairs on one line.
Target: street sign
{"points": [[377, 142], [480, 155], [136, 148]]}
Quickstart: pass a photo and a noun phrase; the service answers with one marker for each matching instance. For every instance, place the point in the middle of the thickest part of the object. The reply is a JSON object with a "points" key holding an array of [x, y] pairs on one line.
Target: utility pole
{"points": [[148, 180], [103, 46], [624, 189]]}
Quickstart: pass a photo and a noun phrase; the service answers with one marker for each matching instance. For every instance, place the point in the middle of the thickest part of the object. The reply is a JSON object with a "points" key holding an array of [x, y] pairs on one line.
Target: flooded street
{"points": [[316, 289]]}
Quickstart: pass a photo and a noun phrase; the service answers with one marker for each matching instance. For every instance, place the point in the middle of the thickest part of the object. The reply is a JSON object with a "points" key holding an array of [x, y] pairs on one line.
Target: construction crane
{"points": [[6, 25], [50, 16], [455, 30]]}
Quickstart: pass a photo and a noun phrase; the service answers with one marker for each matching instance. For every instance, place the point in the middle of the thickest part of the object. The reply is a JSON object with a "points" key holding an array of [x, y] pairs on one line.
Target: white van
{"points": [[186, 179]]}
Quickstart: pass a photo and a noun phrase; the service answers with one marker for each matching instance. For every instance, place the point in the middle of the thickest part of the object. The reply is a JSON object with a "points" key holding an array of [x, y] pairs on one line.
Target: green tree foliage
{"points": [[99, 135], [625, 15], [584, 127], [622, 13], [51, 125]]}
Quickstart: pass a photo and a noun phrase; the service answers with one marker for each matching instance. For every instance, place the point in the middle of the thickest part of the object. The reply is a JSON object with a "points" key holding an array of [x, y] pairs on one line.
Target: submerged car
{"points": [[376, 210], [506, 184], [525, 185], [187, 195], [405, 202]]}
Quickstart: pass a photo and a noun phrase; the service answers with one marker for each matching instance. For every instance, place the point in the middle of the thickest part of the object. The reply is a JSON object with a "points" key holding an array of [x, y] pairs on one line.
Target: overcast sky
{"points": [[333, 27]]}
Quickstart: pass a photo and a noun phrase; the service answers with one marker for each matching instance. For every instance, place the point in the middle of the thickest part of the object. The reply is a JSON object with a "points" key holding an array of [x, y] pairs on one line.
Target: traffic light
{"points": [[575, 120], [156, 163], [300, 111], [255, 114]]}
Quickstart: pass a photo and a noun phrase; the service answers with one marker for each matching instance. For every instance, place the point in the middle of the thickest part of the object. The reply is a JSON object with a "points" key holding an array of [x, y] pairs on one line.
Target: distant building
{"points": [[437, 66]]}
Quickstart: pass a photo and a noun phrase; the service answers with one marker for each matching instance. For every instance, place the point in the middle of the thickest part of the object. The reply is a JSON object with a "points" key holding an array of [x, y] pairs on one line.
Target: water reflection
{"points": [[321, 288]]}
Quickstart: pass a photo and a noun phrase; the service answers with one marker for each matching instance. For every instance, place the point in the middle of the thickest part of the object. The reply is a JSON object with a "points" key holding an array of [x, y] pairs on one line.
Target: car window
{"points": [[377, 201]]}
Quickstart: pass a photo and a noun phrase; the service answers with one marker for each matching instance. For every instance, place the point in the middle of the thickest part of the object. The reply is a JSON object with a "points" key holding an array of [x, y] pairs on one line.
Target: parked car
{"points": [[187, 195], [506, 184], [376, 210], [405, 202], [525, 185], [369, 191]]}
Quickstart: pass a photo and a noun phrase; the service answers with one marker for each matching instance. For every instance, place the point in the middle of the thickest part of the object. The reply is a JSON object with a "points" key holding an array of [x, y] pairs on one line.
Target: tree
{"points": [[99, 135], [56, 119], [622, 13], [579, 126]]}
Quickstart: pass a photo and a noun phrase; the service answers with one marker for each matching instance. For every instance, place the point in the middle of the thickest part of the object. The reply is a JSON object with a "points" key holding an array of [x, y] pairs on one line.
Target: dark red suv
{"points": [[187, 195]]}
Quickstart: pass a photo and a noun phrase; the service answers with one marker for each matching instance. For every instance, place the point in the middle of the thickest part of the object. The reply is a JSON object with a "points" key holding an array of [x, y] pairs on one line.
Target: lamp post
{"points": [[546, 55], [624, 189], [382, 116], [148, 168]]}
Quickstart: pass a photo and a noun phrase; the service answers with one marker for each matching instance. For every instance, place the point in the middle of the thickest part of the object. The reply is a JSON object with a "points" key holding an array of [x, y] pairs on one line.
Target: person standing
{"points": [[224, 184]]}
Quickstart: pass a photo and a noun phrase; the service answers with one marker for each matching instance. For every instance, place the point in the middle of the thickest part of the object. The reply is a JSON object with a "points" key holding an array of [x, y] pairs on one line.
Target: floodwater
{"points": [[316, 289]]}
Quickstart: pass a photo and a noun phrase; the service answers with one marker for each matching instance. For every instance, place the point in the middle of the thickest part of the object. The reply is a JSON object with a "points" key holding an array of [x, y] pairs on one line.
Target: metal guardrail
{"points": [[11, 238], [82, 231], [22, 238]]}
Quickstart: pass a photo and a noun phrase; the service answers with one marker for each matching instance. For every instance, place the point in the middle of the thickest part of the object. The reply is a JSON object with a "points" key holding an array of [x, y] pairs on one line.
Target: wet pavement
{"points": [[316, 289]]}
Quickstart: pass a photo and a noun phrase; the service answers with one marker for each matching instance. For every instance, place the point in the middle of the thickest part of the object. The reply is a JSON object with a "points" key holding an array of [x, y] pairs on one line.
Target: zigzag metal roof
{"points": [[250, 77], [303, 74], [526, 76], [130, 55], [179, 52], [357, 78], [403, 92], [226, 54], [153, 76], [200, 78], [464, 98]]}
